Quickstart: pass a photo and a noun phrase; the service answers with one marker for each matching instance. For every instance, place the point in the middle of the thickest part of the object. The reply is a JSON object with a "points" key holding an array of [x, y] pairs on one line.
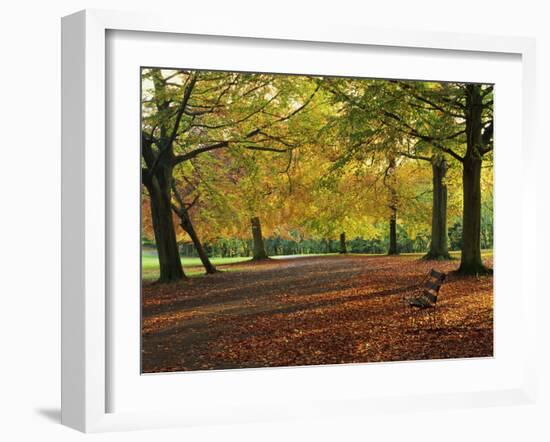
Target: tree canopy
{"points": [[312, 157]]}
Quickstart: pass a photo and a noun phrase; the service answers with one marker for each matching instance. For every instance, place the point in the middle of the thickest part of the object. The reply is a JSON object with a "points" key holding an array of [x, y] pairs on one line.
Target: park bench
{"points": [[424, 298]]}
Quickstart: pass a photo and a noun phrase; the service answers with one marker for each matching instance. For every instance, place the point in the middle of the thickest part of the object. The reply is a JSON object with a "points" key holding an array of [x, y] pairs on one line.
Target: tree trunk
{"points": [[438, 246], [391, 183], [393, 232], [259, 247], [165, 235], [470, 262], [343, 248], [187, 226]]}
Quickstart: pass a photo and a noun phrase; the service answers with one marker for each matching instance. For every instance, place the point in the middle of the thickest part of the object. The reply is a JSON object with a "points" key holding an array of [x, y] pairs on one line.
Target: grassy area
{"points": [[193, 266], [150, 262]]}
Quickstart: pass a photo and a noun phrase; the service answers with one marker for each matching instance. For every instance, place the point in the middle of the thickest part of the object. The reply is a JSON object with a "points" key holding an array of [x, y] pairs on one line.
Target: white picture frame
{"points": [[86, 356]]}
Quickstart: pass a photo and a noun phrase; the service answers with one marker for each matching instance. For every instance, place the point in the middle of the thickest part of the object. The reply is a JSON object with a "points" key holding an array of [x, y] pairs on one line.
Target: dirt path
{"points": [[314, 310]]}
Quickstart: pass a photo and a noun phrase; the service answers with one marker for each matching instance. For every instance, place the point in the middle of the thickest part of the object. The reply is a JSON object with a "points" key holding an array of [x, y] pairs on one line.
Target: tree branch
{"points": [[414, 157], [241, 120], [181, 110], [436, 142], [267, 149], [222, 144], [204, 148], [411, 91]]}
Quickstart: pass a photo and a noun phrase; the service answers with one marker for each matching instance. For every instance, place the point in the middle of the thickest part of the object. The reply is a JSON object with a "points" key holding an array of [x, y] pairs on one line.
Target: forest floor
{"points": [[313, 310]]}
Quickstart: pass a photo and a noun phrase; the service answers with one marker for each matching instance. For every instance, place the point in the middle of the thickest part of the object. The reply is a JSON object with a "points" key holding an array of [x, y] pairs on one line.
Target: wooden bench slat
{"points": [[430, 296], [430, 291], [419, 303]]}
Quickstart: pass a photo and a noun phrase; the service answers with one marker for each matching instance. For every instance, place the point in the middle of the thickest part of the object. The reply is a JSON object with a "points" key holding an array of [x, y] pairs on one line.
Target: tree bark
{"points": [[343, 248], [470, 262], [187, 226], [163, 226], [438, 245], [393, 232], [259, 247], [391, 184]]}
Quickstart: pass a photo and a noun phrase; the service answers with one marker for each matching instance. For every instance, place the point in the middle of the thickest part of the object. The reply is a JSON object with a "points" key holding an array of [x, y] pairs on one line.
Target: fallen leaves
{"points": [[310, 311]]}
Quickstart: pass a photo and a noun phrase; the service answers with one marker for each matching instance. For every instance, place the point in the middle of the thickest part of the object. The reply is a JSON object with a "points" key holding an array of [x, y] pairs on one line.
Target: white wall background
{"points": [[30, 215]]}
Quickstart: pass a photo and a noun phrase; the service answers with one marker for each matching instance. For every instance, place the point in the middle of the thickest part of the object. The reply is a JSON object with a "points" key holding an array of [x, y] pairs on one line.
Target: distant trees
{"points": [[277, 245]]}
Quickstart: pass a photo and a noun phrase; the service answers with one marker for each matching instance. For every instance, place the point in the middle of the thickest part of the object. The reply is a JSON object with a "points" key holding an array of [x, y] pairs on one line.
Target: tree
{"points": [[455, 119], [439, 236], [470, 108], [343, 248], [367, 136], [374, 139], [187, 114], [391, 184], [439, 243], [479, 141], [164, 117]]}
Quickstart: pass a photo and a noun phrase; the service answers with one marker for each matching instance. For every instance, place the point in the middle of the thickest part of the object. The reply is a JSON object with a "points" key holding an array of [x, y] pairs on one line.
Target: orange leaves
{"points": [[314, 310]]}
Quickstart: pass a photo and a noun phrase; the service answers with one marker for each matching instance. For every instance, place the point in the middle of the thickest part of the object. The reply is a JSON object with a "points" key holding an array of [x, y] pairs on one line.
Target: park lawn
{"points": [[192, 266]]}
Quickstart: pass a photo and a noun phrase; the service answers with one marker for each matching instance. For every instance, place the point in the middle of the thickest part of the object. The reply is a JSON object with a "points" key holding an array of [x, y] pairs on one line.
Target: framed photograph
{"points": [[271, 223]]}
